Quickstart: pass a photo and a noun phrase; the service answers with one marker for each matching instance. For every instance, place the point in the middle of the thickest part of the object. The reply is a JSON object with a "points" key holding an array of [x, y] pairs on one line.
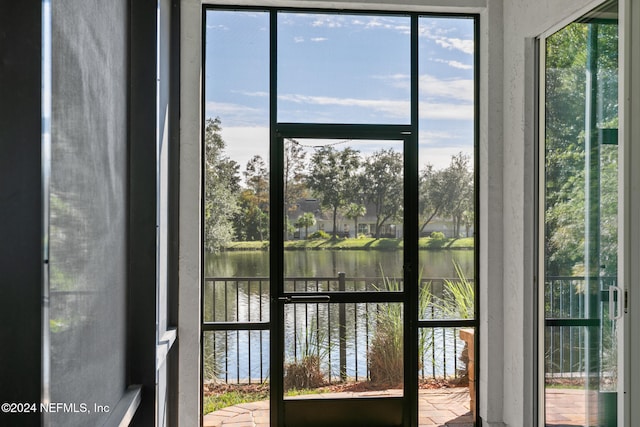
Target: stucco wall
{"points": [[523, 19]]}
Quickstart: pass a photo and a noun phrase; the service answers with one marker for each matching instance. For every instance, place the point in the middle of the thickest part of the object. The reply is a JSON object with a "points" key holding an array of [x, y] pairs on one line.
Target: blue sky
{"points": [[339, 68]]}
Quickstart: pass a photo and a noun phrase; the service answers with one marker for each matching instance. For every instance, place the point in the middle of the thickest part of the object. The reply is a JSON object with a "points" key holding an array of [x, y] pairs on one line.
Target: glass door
{"points": [[581, 299], [342, 342]]}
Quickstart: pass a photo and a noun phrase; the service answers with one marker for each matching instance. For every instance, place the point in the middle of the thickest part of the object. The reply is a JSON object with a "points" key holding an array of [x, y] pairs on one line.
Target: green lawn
{"points": [[214, 402], [357, 244]]}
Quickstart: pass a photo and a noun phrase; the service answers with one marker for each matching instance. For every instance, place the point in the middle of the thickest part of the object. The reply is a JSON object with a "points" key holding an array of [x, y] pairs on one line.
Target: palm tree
{"points": [[306, 220], [355, 211]]}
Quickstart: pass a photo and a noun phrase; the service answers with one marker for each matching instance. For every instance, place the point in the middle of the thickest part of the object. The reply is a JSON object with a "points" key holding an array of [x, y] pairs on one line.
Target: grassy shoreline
{"points": [[384, 244]]}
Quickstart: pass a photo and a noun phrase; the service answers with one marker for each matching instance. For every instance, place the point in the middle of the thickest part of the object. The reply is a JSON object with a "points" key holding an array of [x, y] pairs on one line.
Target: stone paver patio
{"points": [[437, 408], [440, 407], [568, 407]]}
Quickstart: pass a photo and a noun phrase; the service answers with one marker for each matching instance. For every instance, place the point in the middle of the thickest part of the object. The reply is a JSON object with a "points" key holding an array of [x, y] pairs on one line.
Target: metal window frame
{"points": [[408, 133]]}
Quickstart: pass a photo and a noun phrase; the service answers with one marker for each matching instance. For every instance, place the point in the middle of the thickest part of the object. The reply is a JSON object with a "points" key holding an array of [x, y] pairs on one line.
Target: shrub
{"points": [[319, 235], [304, 374], [386, 364], [437, 235], [458, 302]]}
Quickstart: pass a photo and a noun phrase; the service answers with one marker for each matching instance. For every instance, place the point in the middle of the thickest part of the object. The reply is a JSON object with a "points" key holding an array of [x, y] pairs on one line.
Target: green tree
{"points": [[295, 187], [433, 197], [252, 222], [355, 211], [458, 182], [256, 176], [305, 220], [333, 178], [294, 174], [566, 143], [382, 185], [221, 184]]}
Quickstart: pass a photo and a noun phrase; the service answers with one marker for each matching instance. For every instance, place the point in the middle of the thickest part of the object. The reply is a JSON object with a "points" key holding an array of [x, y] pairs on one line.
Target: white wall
{"points": [[523, 19], [190, 268]]}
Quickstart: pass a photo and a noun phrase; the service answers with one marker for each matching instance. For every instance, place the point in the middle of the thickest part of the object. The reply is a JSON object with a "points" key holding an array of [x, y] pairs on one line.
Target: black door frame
{"points": [[281, 412]]}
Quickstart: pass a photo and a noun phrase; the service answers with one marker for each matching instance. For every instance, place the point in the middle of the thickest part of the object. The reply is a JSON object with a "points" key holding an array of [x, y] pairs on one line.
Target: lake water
{"points": [[354, 263], [244, 355]]}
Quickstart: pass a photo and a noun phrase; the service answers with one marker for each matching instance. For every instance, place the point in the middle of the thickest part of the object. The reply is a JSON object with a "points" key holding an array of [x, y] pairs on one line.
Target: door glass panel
{"points": [[343, 350], [344, 209], [343, 215], [580, 221], [340, 68]]}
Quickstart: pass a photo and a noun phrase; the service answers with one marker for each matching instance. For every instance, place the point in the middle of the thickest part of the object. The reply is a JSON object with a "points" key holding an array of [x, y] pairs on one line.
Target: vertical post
{"points": [[592, 220], [342, 315]]}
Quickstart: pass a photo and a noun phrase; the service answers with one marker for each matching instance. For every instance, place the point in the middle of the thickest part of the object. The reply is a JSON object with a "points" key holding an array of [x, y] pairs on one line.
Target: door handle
{"points": [[615, 303], [293, 299]]}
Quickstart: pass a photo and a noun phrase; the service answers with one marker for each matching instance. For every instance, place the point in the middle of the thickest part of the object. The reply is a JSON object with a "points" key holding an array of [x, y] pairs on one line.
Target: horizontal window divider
{"points": [[572, 322], [592, 278], [351, 297], [235, 326], [448, 323], [350, 131], [300, 279]]}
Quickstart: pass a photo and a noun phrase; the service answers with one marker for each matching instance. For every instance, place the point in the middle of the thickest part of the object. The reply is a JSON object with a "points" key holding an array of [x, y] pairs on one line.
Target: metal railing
{"points": [[577, 324], [236, 328]]}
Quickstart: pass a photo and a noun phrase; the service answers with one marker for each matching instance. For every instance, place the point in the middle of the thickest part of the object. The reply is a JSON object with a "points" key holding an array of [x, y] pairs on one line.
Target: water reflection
{"points": [[329, 263]]}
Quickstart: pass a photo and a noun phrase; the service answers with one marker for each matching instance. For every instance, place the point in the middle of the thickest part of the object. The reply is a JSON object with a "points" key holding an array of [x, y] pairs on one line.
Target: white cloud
{"points": [[466, 46], [458, 89], [391, 107], [439, 157], [379, 22], [319, 39], [261, 94], [401, 81], [244, 142], [429, 137], [298, 39], [455, 64], [451, 43], [328, 21], [444, 111], [217, 27], [434, 87], [436, 148], [220, 108], [236, 114]]}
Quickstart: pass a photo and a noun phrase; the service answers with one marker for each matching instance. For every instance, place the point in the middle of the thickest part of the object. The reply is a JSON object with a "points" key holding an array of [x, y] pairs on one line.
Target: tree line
{"points": [[344, 181], [567, 145]]}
